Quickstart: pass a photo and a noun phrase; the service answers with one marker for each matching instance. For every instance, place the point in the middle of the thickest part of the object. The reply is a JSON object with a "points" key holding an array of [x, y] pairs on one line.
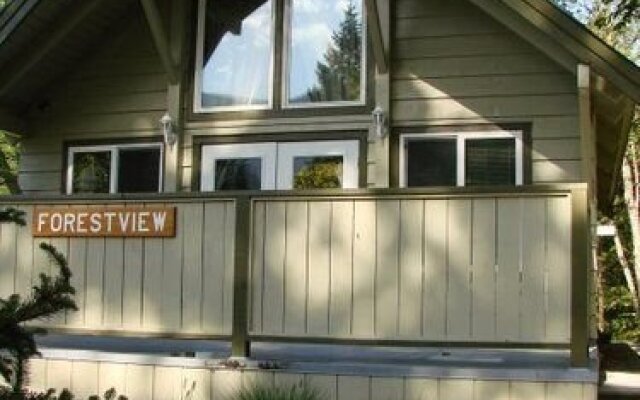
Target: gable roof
{"points": [[570, 35], [615, 80], [42, 39]]}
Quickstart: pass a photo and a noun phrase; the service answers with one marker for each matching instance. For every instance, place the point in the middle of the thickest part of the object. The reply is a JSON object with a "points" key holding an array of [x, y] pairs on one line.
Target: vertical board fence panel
{"points": [[8, 255], [443, 268], [468, 269], [173, 286]]}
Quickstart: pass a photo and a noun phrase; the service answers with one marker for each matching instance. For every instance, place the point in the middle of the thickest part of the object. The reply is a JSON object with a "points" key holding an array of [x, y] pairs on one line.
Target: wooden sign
{"points": [[104, 222]]}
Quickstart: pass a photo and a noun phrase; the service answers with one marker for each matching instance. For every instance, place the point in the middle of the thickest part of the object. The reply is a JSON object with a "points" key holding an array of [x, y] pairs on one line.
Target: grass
{"points": [[299, 391]]}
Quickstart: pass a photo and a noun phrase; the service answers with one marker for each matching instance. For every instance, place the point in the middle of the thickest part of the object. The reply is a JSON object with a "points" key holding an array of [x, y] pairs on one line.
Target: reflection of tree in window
{"points": [[91, 172], [339, 75], [317, 172], [238, 174]]}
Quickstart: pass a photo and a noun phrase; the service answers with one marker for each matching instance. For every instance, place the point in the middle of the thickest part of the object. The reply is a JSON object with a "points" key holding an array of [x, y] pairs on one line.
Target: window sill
{"points": [[293, 112]]}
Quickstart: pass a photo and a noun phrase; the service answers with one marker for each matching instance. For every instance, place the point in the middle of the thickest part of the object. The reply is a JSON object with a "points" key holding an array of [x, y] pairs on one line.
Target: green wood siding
{"points": [[451, 65], [452, 269], [148, 381], [454, 65], [118, 91]]}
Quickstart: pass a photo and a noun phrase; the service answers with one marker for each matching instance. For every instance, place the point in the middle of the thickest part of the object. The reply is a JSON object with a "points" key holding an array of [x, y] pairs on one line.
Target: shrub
{"points": [[52, 295], [8, 394]]}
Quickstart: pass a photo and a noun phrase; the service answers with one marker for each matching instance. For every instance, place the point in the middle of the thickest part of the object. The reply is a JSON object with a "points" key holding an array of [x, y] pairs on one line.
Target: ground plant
{"points": [[298, 391]]}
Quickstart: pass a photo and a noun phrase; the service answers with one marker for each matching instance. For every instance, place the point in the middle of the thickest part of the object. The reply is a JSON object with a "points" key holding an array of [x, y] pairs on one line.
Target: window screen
{"points": [[431, 162], [490, 162], [139, 170]]}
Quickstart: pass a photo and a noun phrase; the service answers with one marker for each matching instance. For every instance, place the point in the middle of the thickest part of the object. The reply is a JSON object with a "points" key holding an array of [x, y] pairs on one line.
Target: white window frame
{"points": [[286, 66], [347, 149], [115, 152], [284, 89], [199, 73], [277, 160], [211, 153], [461, 138]]}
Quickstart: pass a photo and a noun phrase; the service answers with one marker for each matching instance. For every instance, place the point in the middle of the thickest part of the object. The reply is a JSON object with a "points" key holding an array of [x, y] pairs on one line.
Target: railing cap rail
{"points": [[560, 188]]}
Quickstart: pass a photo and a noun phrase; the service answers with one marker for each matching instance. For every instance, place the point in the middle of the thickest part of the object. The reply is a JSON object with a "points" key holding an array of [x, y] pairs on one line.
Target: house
{"points": [[386, 199]]}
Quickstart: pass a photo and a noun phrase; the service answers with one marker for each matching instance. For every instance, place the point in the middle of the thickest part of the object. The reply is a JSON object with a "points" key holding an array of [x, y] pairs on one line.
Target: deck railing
{"points": [[505, 267]]}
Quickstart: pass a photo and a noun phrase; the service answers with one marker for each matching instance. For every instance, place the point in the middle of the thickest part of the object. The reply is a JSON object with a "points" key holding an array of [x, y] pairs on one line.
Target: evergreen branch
{"points": [[11, 214]]}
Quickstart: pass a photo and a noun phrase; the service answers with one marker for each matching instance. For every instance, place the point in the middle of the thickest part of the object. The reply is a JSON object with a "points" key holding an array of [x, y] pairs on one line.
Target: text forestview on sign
{"points": [[104, 222]]}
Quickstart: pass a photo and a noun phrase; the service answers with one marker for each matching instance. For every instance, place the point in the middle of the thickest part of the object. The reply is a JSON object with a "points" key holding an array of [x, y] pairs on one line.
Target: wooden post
{"points": [[379, 20], [240, 345], [378, 42], [587, 137], [580, 267]]}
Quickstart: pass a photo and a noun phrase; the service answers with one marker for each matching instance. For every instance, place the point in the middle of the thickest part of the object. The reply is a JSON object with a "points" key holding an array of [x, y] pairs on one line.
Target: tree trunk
{"points": [[600, 285], [635, 224], [628, 276], [630, 186]]}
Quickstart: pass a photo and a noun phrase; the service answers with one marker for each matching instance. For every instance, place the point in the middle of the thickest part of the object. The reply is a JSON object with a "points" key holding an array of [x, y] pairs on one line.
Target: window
{"points": [[238, 167], [133, 168], [322, 47], [461, 159], [283, 166]]}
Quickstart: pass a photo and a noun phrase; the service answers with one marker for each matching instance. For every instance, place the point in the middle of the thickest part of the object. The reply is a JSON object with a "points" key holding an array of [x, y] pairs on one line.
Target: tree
{"points": [[617, 22], [50, 296], [339, 75], [9, 159], [619, 14]]}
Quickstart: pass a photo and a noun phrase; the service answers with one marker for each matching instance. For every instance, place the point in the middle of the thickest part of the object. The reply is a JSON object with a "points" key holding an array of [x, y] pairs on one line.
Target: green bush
{"points": [[623, 322], [299, 391], [8, 394]]}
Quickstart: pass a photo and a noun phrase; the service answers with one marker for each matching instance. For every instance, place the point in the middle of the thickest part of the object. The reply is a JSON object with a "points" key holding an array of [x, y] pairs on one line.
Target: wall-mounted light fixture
{"points": [[379, 122], [168, 131]]}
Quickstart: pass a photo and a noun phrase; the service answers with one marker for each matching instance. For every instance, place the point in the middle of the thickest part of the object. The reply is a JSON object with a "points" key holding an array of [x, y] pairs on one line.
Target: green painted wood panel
{"points": [[364, 268], [149, 381], [320, 269], [342, 271], [508, 285], [483, 268], [257, 268], [411, 268], [452, 269], [192, 220], [180, 285], [458, 281], [274, 269], [434, 297], [296, 285], [8, 255], [84, 379]]}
